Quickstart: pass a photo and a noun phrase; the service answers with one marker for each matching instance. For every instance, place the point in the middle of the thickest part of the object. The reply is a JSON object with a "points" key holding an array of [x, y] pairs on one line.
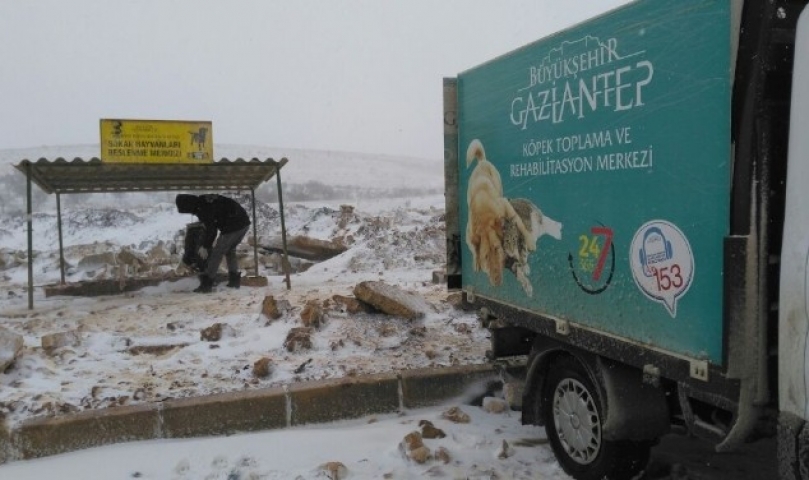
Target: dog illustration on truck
{"points": [[500, 233]]}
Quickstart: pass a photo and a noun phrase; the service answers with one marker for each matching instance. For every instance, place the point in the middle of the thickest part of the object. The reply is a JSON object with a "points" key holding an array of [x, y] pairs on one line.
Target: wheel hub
{"points": [[577, 421]]}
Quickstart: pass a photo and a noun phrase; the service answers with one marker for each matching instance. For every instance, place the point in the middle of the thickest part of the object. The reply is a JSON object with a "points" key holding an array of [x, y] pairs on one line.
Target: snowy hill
{"points": [[309, 175]]}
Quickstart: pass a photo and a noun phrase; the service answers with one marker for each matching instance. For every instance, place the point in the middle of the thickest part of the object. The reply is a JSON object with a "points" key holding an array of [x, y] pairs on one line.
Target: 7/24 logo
{"points": [[594, 263]]}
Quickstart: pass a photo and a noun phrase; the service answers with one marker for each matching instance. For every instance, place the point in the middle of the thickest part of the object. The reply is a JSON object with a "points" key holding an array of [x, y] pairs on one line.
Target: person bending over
{"points": [[224, 217]]}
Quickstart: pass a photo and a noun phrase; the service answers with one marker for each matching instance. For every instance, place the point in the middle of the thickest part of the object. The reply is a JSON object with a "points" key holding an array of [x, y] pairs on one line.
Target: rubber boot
{"points": [[205, 284], [234, 279]]}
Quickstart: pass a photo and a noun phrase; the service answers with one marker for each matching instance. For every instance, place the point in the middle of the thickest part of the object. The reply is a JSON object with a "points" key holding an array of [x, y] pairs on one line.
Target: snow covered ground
{"points": [[146, 346], [367, 449]]}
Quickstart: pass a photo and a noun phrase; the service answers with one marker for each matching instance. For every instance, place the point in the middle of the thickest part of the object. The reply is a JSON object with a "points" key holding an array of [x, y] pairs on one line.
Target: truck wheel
{"points": [[571, 408]]}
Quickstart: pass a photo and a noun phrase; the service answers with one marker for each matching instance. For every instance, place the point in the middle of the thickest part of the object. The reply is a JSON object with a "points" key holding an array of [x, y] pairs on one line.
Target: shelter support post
{"points": [[283, 228], [255, 237], [30, 221], [61, 245]]}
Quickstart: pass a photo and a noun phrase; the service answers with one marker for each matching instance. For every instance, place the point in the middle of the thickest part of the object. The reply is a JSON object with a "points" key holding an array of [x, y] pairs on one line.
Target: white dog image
{"points": [[488, 210]]}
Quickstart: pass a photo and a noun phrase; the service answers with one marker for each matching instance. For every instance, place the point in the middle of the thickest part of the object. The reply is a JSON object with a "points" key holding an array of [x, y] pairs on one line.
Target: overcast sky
{"points": [[349, 75]]}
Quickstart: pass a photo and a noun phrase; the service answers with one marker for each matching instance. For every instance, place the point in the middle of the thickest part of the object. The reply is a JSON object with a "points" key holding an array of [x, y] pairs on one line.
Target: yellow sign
{"points": [[156, 141]]}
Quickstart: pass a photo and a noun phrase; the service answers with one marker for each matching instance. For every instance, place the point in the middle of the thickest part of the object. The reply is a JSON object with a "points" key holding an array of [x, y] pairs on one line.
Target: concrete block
{"points": [[40, 437], [429, 386], [225, 413], [330, 400]]}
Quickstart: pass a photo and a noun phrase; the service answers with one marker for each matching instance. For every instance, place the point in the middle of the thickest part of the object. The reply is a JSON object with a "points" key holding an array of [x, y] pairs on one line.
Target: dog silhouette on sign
{"points": [[198, 137]]}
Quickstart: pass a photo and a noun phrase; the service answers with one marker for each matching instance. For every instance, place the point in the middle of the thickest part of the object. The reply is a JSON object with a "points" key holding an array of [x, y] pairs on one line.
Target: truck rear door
{"points": [[794, 289]]}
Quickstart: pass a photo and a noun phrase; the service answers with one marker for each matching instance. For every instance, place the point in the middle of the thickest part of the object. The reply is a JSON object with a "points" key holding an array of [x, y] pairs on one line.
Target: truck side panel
{"points": [[605, 152]]}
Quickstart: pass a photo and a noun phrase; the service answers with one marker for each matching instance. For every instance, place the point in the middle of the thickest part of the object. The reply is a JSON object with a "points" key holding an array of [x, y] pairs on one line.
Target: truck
{"points": [[627, 210]]}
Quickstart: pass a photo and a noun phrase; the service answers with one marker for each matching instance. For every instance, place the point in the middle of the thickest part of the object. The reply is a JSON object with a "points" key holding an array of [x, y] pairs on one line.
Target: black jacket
{"points": [[219, 214]]}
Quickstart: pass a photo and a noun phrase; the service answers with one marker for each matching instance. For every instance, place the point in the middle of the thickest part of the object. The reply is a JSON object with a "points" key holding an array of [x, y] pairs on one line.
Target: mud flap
{"points": [[635, 410]]}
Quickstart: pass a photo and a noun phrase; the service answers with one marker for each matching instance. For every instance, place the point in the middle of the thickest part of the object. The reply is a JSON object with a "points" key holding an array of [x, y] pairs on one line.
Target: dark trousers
{"points": [[225, 246]]}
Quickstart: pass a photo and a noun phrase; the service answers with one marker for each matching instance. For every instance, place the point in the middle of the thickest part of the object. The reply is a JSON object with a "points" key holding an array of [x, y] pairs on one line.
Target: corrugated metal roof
{"points": [[93, 175]]}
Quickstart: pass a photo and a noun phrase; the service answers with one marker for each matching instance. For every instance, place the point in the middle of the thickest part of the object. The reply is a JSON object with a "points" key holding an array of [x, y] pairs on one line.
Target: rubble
{"points": [[414, 449], [391, 299], [299, 338], [456, 415], [269, 308], [262, 368], [306, 248], [513, 391], [428, 430], [334, 470], [52, 341], [353, 305], [494, 405], [505, 451], [442, 455], [10, 348], [216, 332], [312, 315]]}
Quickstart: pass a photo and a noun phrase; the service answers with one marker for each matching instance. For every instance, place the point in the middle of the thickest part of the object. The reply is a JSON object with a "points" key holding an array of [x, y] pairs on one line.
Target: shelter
{"points": [[94, 176]]}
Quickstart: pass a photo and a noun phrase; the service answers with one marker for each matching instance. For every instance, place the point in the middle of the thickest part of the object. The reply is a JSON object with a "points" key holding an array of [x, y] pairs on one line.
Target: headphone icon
{"points": [[645, 259]]}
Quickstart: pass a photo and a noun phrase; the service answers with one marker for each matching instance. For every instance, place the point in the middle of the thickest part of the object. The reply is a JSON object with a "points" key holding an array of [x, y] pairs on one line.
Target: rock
{"points": [[428, 430], [262, 368], [300, 368], [159, 255], [456, 415], [505, 451], [412, 441], [391, 299], [346, 216], [269, 308], [156, 350], [53, 341], [353, 305], [494, 405], [298, 338], [10, 348], [216, 332], [312, 315], [334, 470], [386, 330], [513, 392], [254, 281], [306, 248], [420, 455], [420, 331], [462, 328], [413, 448], [247, 264], [131, 258], [97, 260], [442, 455], [8, 261]]}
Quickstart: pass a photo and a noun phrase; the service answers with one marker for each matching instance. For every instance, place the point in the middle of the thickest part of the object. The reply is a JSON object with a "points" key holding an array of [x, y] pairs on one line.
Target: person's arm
{"points": [[207, 218]]}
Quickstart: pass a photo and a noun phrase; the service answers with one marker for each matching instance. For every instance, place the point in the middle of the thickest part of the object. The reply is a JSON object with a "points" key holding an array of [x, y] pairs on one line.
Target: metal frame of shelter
{"points": [[94, 176]]}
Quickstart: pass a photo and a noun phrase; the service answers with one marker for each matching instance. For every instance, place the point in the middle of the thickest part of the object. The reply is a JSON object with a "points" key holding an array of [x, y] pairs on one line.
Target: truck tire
{"points": [[572, 409]]}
